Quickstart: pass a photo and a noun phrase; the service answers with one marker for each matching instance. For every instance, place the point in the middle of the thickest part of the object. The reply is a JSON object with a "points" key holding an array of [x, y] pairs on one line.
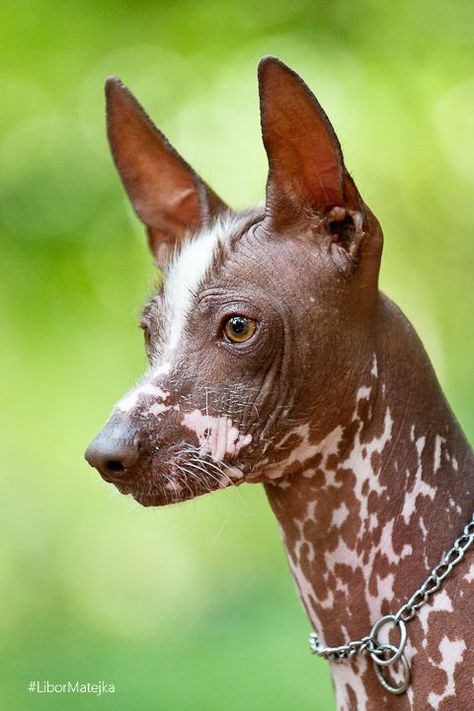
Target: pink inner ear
{"points": [[166, 193], [304, 154]]}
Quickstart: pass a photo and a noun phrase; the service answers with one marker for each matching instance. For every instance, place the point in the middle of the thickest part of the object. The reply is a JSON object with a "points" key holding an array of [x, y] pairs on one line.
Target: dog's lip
{"points": [[147, 501], [146, 486], [130, 486], [157, 497], [122, 482]]}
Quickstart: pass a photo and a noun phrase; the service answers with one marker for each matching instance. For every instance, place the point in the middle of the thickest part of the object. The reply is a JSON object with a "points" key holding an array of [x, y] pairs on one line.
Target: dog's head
{"points": [[264, 315]]}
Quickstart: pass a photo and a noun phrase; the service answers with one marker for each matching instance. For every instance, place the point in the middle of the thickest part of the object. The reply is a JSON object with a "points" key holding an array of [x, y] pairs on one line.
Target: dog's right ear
{"points": [[166, 193], [306, 168]]}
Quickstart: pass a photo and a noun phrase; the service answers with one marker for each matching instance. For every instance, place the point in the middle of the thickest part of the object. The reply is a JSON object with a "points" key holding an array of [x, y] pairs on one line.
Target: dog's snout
{"points": [[114, 451]]}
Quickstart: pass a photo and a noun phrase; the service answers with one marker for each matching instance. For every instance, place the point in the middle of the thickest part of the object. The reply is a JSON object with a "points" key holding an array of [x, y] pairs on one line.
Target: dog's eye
{"points": [[239, 329], [146, 334]]}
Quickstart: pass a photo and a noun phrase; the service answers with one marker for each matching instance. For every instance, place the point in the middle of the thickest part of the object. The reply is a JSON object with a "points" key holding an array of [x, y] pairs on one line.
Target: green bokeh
{"points": [[191, 607]]}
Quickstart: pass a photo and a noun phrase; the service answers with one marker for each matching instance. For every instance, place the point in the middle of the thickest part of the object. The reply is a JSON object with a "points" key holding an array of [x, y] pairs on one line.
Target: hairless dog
{"points": [[274, 358]]}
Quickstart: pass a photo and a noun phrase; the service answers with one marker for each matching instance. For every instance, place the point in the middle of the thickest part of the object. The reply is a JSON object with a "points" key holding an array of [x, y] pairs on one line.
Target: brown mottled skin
{"points": [[415, 399], [333, 404]]}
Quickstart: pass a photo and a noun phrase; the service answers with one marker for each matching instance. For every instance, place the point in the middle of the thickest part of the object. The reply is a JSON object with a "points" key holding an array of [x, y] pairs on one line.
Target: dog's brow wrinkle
{"points": [[186, 272]]}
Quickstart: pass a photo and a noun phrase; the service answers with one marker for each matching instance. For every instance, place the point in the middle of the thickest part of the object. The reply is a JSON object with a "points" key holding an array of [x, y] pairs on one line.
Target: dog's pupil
{"points": [[239, 325]]}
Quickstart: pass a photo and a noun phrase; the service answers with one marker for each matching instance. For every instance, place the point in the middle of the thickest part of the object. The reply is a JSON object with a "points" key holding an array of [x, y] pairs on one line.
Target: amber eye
{"points": [[239, 329]]}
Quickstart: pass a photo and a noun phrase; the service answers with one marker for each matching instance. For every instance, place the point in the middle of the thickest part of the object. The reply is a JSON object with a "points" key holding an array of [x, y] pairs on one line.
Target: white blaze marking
{"points": [[162, 369], [185, 274], [182, 280], [130, 401]]}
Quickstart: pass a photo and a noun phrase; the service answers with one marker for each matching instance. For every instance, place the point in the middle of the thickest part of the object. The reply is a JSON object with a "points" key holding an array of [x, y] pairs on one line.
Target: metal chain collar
{"points": [[385, 654]]}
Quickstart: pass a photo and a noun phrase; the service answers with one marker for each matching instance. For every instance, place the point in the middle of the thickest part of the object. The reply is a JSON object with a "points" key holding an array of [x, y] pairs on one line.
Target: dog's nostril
{"points": [[114, 452], [114, 465]]}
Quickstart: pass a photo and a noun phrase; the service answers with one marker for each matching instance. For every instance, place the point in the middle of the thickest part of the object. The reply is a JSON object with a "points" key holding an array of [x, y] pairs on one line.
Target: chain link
{"points": [[378, 650], [441, 571]]}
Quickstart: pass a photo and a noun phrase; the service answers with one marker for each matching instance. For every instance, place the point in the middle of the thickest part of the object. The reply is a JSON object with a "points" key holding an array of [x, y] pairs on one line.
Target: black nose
{"points": [[114, 451]]}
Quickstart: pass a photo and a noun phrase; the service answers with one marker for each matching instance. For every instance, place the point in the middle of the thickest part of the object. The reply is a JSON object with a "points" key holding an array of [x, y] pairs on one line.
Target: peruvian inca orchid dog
{"points": [[274, 358]]}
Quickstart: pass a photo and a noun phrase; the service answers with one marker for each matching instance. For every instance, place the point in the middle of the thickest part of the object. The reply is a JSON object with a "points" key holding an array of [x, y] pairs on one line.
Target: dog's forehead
{"points": [[190, 265], [189, 271]]}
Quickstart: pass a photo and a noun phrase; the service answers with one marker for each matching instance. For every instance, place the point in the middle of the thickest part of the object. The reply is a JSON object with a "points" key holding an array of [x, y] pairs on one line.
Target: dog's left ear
{"points": [[306, 167], [166, 193]]}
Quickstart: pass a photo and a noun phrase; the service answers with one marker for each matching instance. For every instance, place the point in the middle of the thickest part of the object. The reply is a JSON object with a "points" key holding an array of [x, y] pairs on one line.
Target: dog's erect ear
{"points": [[306, 168], [167, 195]]}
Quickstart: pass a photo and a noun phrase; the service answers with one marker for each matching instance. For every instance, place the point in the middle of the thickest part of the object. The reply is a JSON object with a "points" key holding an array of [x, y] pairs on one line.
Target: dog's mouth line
{"points": [[178, 480], [161, 497]]}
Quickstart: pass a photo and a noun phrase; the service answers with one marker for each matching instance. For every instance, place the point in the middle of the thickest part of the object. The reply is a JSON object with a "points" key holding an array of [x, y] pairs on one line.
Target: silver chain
{"points": [[384, 654]]}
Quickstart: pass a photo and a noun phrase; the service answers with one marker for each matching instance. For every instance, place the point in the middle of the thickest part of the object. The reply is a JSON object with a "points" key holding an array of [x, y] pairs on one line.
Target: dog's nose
{"points": [[114, 451]]}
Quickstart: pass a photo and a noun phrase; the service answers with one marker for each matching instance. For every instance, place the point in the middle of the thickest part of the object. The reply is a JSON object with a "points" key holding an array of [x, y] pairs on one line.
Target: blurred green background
{"points": [[190, 607]]}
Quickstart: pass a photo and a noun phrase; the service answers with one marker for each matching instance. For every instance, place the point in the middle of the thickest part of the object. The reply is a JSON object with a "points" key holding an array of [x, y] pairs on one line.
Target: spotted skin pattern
{"points": [[360, 519], [332, 405]]}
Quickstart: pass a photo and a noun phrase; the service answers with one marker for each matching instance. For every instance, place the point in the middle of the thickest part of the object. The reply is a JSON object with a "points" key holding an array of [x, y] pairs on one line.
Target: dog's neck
{"points": [[366, 516]]}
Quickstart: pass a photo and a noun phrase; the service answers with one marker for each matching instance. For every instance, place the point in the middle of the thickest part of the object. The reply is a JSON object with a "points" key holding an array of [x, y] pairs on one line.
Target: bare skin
{"points": [[274, 358]]}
